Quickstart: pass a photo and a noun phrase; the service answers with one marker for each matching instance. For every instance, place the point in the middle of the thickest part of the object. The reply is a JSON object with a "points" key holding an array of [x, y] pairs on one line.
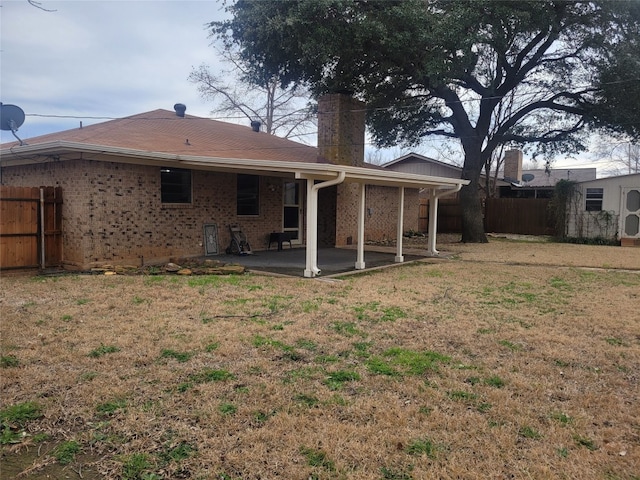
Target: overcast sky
{"points": [[113, 58], [97, 58]]}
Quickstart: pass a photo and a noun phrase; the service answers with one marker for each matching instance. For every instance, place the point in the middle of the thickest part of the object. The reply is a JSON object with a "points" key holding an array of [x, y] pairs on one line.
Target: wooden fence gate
{"points": [[30, 227]]}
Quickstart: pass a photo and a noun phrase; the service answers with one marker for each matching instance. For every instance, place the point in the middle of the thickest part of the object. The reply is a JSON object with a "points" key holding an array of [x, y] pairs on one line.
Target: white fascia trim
{"points": [[322, 171]]}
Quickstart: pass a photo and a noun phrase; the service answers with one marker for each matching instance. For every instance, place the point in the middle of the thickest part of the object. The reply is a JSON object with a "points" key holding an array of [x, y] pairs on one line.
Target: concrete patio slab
{"points": [[331, 261]]}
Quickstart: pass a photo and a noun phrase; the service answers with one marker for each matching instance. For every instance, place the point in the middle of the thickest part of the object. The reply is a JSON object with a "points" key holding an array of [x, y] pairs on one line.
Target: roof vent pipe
{"points": [[180, 109], [255, 125]]}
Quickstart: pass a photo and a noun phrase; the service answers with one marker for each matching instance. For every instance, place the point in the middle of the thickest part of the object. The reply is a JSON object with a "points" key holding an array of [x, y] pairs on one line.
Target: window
{"points": [[248, 195], [594, 199], [175, 185]]}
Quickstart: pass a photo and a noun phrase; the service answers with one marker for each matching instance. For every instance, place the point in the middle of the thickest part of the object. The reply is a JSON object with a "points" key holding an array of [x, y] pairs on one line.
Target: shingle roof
{"points": [[163, 131], [541, 178]]}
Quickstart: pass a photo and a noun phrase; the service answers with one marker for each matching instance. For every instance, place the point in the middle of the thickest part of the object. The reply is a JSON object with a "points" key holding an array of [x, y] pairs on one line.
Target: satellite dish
{"points": [[527, 177], [11, 118]]}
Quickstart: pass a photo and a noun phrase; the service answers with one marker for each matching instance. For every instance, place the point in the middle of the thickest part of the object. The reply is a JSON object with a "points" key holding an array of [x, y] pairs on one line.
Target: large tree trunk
{"points": [[472, 214], [470, 203]]}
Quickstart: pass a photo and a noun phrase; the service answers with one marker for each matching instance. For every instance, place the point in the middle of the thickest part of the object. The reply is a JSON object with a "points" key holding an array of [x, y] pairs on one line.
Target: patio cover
{"points": [[317, 176]]}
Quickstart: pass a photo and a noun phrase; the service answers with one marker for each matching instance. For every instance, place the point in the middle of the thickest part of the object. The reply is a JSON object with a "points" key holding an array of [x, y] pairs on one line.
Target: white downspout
{"points": [[360, 256], [399, 232], [433, 216], [311, 269]]}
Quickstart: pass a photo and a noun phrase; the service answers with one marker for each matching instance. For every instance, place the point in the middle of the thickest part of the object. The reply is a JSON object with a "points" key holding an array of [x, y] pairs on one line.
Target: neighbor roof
{"points": [[548, 179]]}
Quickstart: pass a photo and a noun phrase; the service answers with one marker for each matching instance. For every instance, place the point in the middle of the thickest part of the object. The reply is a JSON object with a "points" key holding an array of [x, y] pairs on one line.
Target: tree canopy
{"points": [[286, 112], [488, 73]]}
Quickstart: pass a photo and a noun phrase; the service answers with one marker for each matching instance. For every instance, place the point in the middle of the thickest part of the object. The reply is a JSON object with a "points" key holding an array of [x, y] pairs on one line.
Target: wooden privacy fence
{"points": [[449, 215], [523, 216], [30, 227]]}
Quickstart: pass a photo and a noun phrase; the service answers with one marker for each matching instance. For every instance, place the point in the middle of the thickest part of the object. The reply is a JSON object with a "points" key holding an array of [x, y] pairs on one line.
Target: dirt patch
{"points": [[506, 360]]}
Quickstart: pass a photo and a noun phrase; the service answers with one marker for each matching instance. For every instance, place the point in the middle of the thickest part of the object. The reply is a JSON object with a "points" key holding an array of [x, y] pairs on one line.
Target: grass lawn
{"points": [[459, 369]]}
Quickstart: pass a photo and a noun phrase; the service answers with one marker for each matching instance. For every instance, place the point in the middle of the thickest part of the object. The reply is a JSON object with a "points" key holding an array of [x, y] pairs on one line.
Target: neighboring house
{"points": [[514, 182], [143, 189], [421, 165], [607, 208]]}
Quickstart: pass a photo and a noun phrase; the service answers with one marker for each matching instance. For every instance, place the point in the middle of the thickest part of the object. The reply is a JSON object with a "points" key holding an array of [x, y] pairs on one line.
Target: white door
{"points": [[630, 213], [292, 214]]}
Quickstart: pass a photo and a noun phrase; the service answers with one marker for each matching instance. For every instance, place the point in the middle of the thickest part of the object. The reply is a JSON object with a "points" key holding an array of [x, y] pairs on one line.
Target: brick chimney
{"points": [[341, 121], [513, 165]]}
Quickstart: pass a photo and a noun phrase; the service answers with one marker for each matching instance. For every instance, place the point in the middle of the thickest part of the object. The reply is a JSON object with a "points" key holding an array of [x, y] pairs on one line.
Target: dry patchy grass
{"points": [[468, 368]]}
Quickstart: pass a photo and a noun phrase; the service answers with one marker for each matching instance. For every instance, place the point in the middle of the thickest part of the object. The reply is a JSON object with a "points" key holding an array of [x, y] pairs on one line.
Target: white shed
{"points": [[607, 208]]}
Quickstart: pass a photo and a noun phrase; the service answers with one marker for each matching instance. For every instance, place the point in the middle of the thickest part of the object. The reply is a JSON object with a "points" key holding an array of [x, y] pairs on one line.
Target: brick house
{"points": [[142, 189]]}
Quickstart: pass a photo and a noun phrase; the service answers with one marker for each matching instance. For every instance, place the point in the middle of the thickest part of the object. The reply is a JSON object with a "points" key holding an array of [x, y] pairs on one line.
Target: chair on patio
{"points": [[239, 244]]}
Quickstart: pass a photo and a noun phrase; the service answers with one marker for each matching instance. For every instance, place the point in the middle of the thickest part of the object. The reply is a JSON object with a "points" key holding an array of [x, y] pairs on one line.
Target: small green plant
{"points": [[82, 301], [66, 452], [307, 344], [317, 458], [461, 395], [14, 418], [559, 283], [378, 366], [138, 300], [179, 356], [563, 452], [103, 350], [176, 453], [362, 311], [20, 413], [205, 376], [391, 314], [561, 417], [494, 381], [212, 347], [362, 349], [484, 407], [425, 410], [112, 406], [585, 442], [529, 432], [336, 380], [66, 318], [616, 342], [510, 345], [309, 306], [136, 467], [227, 408], [473, 380], [9, 361], [485, 331], [277, 302], [261, 417], [326, 359], [391, 474], [348, 329], [87, 376], [307, 400], [422, 446], [413, 362]]}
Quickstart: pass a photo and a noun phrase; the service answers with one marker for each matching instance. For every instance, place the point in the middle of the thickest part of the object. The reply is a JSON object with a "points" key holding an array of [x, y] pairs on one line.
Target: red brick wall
{"points": [[112, 212], [381, 212]]}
